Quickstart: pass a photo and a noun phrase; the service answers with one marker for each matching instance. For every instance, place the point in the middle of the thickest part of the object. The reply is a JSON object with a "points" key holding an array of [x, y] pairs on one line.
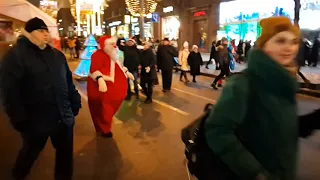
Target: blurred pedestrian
{"points": [[148, 71], [165, 57], [263, 125], [40, 99], [183, 61], [224, 61], [195, 61], [131, 61]]}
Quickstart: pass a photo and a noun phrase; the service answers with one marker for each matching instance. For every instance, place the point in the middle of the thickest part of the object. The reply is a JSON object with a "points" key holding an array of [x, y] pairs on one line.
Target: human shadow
{"points": [[128, 111], [101, 159], [150, 122], [172, 99]]}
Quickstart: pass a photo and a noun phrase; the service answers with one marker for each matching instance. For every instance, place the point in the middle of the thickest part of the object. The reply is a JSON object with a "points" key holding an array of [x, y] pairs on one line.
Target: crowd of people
{"points": [[258, 140], [146, 60]]}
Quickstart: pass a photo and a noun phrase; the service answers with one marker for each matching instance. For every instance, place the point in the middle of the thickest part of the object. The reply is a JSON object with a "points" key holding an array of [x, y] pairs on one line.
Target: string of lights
{"points": [[149, 6]]}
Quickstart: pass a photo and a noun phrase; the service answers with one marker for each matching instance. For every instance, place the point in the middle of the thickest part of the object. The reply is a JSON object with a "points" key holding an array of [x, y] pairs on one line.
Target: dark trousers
{"points": [[77, 52], [225, 71], [147, 86], [183, 74], [210, 61], [135, 82], [62, 141], [193, 78], [166, 79]]}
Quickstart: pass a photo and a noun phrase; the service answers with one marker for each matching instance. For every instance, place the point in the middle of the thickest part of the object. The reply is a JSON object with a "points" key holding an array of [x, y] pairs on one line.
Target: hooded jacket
{"points": [[261, 133], [37, 88]]}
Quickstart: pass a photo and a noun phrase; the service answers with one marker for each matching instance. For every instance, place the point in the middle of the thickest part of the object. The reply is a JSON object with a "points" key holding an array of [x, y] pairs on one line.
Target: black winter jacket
{"points": [[165, 57], [131, 57], [148, 59], [37, 88]]}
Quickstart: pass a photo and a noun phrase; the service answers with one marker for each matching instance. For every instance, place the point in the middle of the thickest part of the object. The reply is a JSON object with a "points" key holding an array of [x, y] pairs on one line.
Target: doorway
{"points": [[200, 28]]}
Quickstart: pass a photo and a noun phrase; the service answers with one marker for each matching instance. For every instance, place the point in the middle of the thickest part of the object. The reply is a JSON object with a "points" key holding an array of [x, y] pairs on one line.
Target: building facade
{"points": [[195, 21]]}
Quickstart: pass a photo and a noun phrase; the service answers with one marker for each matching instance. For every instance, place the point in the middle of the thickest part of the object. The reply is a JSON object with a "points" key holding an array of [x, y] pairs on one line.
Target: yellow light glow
{"points": [[134, 8], [88, 23], [93, 16]]}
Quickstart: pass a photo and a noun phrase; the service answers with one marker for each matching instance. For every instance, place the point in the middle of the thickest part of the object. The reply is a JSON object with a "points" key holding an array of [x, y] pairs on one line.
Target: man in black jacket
{"points": [[131, 62], [165, 57], [40, 99], [148, 71]]}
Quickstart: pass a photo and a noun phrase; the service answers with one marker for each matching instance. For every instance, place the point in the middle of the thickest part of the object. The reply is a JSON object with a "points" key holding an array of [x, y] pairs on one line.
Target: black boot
{"points": [[148, 101], [108, 135], [128, 97], [194, 79], [214, 86]]}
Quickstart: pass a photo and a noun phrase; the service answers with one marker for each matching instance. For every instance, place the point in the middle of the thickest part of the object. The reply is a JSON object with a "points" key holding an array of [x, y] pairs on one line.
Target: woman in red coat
{"points": [[107, 85]]}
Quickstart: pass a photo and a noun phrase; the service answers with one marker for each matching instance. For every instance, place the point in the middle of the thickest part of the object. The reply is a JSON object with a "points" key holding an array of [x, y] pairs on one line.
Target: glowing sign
{"points": [[168, 9], [199, 13]]}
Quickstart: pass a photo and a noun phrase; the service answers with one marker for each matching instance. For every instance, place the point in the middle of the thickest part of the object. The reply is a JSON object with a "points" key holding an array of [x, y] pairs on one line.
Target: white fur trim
{"points": [[110, 78], [95, 74], [110, 40]]}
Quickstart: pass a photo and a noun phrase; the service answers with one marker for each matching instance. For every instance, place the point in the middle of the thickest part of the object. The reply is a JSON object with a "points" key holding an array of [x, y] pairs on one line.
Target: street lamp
{"points": [[141, 8]]}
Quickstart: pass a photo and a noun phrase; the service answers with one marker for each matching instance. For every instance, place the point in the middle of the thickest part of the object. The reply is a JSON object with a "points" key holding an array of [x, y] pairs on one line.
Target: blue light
{"points": [[90, 41], [87, 53], [83, 68]]}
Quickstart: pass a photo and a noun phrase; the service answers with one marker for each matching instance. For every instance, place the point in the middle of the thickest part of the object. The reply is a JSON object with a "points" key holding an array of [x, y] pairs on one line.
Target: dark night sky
{"points": [[35, 2]]}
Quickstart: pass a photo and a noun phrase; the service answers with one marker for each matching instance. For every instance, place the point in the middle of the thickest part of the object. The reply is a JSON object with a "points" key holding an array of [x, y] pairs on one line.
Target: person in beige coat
{"points": [[183, 61]]}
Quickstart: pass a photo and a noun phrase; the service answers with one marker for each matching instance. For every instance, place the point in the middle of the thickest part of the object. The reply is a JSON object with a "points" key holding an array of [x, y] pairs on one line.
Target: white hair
{"points": [[185, 44], [195, 47]]}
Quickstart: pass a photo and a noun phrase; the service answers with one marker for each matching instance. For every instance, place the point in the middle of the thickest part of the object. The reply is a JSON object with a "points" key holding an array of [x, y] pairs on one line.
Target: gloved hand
{"points": [[102, 85], [147, 69], [130, 75]]}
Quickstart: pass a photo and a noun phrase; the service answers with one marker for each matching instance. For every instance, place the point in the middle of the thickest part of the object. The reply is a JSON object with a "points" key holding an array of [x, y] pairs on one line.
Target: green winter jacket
{"points": [[254, 126]]}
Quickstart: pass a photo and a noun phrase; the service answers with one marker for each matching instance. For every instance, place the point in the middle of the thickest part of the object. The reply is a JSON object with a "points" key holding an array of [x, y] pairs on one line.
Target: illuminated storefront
{"points": [[170, 27], [239, 19], [89, 14], [120, 30]]}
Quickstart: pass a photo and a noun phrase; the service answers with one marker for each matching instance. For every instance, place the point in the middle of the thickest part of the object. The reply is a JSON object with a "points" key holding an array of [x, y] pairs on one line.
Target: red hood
{"points": [[102, 41]]}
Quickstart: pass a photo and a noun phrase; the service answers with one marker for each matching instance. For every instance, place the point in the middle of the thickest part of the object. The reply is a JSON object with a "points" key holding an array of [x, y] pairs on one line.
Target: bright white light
{"points": [[88, 23], [168, 9]]}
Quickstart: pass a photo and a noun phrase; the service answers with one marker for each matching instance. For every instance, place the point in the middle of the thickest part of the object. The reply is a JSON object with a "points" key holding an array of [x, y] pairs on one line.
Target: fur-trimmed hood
{"points": [[28, 36]]}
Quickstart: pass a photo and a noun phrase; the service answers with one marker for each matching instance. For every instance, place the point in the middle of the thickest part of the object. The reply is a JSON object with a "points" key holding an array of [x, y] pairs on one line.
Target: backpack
{"points": [[201, 161]]}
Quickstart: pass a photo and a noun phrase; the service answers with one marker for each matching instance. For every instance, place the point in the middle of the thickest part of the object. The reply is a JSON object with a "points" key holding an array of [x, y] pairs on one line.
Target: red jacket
{"points": [[112, 73]]}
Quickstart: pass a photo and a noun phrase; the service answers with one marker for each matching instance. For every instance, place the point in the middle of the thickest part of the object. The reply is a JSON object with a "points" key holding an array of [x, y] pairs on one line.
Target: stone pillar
{"points": [[141, 20], [64, 13]]}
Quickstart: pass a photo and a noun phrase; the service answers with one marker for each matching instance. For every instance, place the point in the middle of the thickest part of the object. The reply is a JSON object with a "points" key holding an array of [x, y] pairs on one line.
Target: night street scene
{"points": [[159, 90]]}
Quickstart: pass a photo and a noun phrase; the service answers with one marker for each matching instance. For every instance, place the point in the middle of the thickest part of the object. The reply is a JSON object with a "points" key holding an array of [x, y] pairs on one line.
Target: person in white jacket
{"points": [[183, 61]]}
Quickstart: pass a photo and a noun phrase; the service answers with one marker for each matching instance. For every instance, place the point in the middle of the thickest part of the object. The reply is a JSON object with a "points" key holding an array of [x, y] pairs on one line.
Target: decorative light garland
{"points": [[149, 6]]}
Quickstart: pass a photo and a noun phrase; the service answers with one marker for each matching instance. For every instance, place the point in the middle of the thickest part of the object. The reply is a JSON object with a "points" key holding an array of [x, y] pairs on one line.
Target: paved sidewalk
{"points": [[312, 73]]}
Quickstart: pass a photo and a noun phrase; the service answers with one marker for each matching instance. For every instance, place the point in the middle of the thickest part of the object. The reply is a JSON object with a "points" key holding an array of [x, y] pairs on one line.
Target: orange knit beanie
{"points": [[274, 25]]}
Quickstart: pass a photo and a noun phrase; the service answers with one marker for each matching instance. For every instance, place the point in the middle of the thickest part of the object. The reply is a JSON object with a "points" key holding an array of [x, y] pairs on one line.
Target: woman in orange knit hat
{"points": [[259, 138]]}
